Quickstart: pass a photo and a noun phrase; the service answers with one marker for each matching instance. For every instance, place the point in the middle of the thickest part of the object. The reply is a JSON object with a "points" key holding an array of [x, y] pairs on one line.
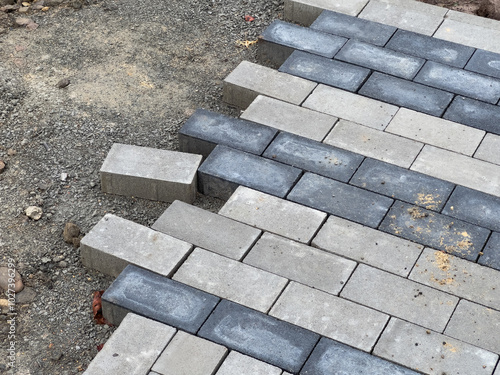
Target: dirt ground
{"points": [[466, 6]]}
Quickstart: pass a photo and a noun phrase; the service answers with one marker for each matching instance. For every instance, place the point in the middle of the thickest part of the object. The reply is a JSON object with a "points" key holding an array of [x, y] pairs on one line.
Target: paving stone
{"points": [[156, 297], [472, 19], [205, 129], [289, 118], [330, 316], [430, 352], [430, 48], [301, 263], [259, 336], [248, 80], [207, 230], [113, 243], [353, 27], [237, 363], [306, 11], [226, 168], [352, 107], [333, 358], [150, 173], [469, 35], [474, 113], [409, 300], [406, 94], [436, 131], [323, 70], [340, 199], [273, 214], [380, 59], [488, 149], [120, 354], [435, 230], [367, 245], [230, 279], [485, 62], [314, 156], [491, 252], [373, 143]]}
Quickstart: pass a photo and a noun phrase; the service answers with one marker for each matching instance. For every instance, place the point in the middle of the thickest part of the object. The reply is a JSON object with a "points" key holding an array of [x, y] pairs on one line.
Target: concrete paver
{"points": [[488, 149], [474, 113], [237, 363], [306, 11], [485, 62], [491, 255]]}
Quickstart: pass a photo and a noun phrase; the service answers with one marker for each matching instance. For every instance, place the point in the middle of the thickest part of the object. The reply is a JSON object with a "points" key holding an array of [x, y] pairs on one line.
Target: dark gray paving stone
{"points": [[474, 207], [320, 69], [485, 62], [380, 59], [435, 230], [459, 81], [403, 184], [353, 27], [156, 297], [474, 113], [259, 335], [226, 168], [314, 156], [491, 252], [339, 199], [333, 358], [430, 48], [406, 94], [205, 129]]}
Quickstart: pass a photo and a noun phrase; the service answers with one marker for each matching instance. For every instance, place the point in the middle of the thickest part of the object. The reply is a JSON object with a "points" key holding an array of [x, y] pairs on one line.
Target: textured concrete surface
{"points": [[474, 113], [491, 255], [488, 149], [485, 62], [237, 363], [306, 11], [469, 35]]}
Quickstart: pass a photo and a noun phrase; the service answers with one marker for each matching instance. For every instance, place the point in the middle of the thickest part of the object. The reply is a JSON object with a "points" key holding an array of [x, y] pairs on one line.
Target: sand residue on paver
{"points": [[442, 261], [428, 201], [415, 213]]}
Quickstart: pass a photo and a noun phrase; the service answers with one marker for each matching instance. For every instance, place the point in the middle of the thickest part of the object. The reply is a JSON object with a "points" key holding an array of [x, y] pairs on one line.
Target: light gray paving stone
{"points": [[400, 297], [207, 230], [351, 107], [132, 348], [430, 352], [330, 316], [248, 80], [304, 264], [237, 363], [289, 118], [488, 149], [272, 214], [227, 278], [150, 173], [472, 19], [373, 143], [113, 243], [306, 11]]}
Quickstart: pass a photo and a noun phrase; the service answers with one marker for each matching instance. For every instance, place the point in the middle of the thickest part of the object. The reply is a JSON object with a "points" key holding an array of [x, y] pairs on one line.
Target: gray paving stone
{"points": [[205, 129], [435, 230], [353, 27], [474, 113], [226, 168], [323, 70], [406, 94], [340, 199], [485, 62], [314, 156], [113, 243], [380, 59], [488, 149], [306, 11], [259, 336], [237, 363], [156, 297], [403, 184], [430, 48], [472, 19], [491, 252], [207, 230]]}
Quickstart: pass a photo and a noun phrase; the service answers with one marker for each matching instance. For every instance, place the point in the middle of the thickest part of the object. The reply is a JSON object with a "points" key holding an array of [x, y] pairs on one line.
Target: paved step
{"points": [[306, 11]]}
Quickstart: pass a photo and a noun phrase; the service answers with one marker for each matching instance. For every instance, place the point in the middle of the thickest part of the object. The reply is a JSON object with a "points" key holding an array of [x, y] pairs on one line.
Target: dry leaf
{"points": [[97, 308]]}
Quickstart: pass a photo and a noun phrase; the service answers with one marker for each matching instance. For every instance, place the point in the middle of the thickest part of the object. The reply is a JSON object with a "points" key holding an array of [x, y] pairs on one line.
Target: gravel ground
{"points": [[137, 71]]}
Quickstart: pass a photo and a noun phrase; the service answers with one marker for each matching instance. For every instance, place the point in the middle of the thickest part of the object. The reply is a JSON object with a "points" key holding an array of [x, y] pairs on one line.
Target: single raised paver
{"points": [[313, 156], [472, 19], [133, 347], [226, 168], [330, 316], [150, 173], [205, 129], [113, 243], [237, 363], [436, 131], [248, 80], [304, 264], [323, 70], [259, 336], [474, 113], [306, 11], [369, 142], [406, 94], [491, 252], [367, 245], [430, 352], [485, 62], [488, 149], [207, 230], [156, 297], [289, 118], [273, 214], [352, 107], [230, 279]]}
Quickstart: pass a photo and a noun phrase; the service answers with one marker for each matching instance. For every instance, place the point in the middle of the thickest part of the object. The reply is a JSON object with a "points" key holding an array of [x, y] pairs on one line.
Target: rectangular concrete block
{"points": [[472, 19], [306, 11], [113, 243], [237, 363], [150, 173], [488, 149], [485, 62], [491, 252], [275, 215], [474, 113]]}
